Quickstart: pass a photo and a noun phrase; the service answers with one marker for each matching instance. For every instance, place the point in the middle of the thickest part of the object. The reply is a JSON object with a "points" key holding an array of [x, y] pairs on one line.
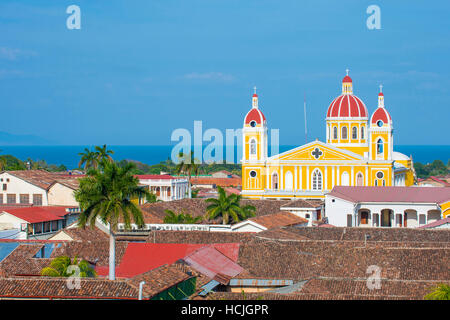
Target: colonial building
{"points": [[386, 206], [166, 187], [359, 151], [38, 187]]}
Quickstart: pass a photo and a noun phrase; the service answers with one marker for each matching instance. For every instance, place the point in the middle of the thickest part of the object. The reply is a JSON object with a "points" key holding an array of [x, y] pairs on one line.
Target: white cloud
{"points": [[14, 54]]}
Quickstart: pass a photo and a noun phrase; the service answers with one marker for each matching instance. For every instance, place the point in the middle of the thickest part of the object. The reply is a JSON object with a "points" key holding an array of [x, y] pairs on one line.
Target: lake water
{"points": [[68, 155]]}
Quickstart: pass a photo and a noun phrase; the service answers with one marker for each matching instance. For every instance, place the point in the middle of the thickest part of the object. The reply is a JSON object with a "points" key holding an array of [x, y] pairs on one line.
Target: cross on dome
{"points": [[347, 71], [254, 88], [381, 88]]}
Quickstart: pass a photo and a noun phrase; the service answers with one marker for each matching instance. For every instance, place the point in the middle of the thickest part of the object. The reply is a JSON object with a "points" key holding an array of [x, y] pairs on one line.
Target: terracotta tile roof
{"points": [[155, 212], [58, 288], [21, 262], [232, 190], [221, 182], [301, 260], [376, 234], [86, 234], [392, 194], [436, 223], [341, 289], [41, 178], [72, 183], [201, 237], [93, 251], [280, 219], [304, 203], [159, 279]]}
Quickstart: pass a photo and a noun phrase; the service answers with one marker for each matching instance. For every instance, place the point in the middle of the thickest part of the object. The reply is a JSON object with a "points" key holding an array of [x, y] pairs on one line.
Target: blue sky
{"points": [[137, 70]]}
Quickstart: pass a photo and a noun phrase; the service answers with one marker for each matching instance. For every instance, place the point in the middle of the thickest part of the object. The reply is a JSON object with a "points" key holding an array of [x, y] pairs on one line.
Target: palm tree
{"points": [[59, 267], [187, 165], [105, 195], [440, 292], [3, 163], [228, 207], [89, 159], [184, 218], [104, 154]]}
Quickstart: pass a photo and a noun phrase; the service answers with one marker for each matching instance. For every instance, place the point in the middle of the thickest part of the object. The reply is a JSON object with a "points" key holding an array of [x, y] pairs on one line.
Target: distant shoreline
{"points": [[154, 154]]}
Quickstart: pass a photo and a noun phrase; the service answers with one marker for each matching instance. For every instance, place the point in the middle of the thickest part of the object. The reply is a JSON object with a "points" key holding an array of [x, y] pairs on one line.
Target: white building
{"points": [[386, 206], [37, 187], [166, 187]]}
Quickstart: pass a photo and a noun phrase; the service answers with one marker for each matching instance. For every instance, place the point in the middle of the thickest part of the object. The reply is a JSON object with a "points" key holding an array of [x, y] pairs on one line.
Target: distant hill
{"points": [[9, 139]]}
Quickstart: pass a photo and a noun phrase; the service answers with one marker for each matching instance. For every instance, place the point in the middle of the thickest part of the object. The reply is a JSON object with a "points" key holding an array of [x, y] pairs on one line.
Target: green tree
{"points": [[181, 218], [89, 159], [104, 154], [228, 208], [105, 195], [194, 193], [188, 165], [152, 198], [59, 267], [440, 292]]}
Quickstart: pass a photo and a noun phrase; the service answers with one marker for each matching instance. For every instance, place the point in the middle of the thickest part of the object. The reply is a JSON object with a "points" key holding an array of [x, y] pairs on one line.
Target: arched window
{"points": [[359, 179], [344, 133], [379, 146], [253, 147], [158, 191], [354, 133], [275, 181], [168, 191], [317, 180], [362, 133], [335, 133]]}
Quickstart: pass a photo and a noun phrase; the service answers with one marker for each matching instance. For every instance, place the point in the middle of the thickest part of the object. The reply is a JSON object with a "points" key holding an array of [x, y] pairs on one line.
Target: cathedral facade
{"points": [[359, 151]]}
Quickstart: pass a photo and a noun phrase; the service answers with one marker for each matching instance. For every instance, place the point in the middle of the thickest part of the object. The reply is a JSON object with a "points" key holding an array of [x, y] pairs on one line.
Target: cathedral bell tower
{"points": [[255, 146], [255, 134], [381, 132]]}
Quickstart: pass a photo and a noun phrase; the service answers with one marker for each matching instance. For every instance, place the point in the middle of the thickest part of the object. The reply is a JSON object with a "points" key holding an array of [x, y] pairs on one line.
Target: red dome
{"points": [[381, 94], [255, 115], [347, 79], [380, 114], [347, 105]]}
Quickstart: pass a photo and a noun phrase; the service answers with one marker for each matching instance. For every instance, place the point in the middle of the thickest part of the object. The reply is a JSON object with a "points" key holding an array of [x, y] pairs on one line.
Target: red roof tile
{"points": [[38, 214], [280, 219]]}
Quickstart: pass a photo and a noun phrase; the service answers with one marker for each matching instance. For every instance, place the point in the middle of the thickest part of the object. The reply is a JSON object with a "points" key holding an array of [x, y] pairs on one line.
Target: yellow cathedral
{"points": [[358, 152]]}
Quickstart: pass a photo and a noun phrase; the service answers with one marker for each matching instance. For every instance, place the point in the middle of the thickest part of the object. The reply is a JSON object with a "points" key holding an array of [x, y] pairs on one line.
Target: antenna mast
{"points": [[304, 109]]}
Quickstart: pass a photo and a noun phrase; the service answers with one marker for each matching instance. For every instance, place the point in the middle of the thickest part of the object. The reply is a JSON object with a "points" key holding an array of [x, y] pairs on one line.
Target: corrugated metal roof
{"points": [[143, 257], [213, 264]]}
